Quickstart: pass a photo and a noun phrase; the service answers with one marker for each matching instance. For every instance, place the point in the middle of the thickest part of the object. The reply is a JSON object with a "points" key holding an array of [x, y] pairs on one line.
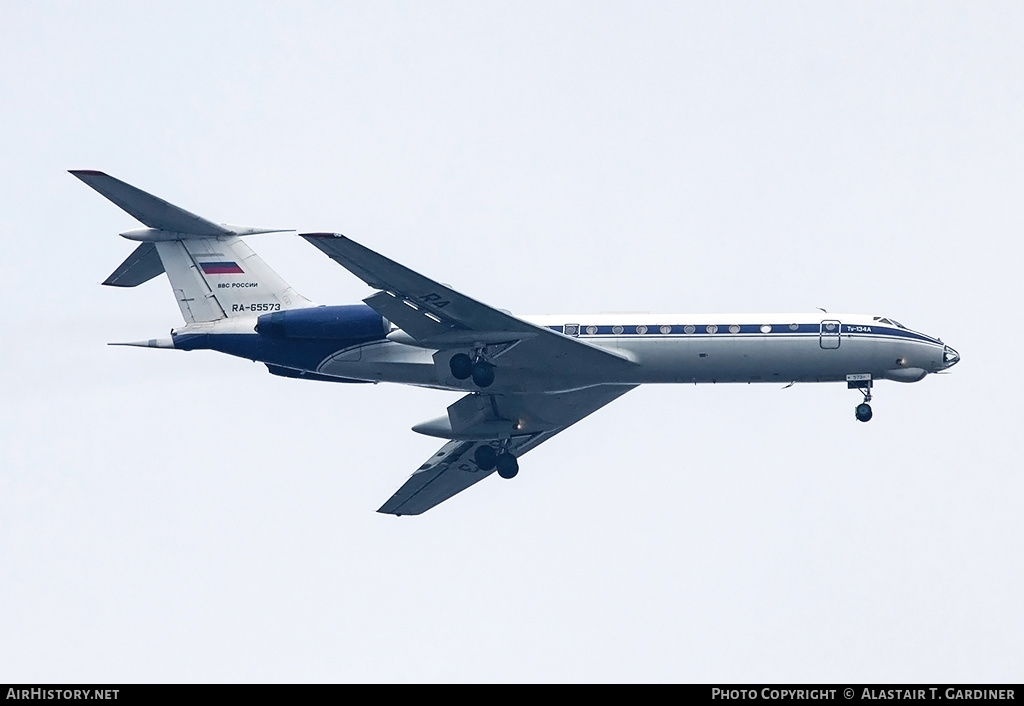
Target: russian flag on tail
{"points": [[221, 268]]}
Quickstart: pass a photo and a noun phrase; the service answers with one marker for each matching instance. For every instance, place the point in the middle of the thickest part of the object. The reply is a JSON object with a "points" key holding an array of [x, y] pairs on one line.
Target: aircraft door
{"points": [[830, 333]]}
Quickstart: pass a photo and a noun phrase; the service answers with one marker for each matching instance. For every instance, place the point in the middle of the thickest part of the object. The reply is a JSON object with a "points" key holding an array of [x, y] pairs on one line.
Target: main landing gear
{"points": [[487, 458], [462, 367], [863, 383]]}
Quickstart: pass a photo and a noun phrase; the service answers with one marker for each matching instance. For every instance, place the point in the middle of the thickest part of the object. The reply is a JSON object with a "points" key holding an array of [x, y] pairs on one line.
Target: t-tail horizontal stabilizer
{"points": [[158, 214], [141, 266]]}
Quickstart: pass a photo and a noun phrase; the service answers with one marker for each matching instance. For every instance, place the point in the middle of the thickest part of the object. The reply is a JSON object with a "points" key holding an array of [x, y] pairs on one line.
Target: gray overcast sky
{"points": [[187, 517]]}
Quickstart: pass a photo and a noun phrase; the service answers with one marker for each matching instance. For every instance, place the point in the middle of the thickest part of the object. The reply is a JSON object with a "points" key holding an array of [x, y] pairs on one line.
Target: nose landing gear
{"points": [[864, 412], [862, 382]]}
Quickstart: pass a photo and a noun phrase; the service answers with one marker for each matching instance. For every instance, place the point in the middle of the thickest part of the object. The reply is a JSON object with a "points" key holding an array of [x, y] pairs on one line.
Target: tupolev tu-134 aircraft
{"points": [[525, 378]]}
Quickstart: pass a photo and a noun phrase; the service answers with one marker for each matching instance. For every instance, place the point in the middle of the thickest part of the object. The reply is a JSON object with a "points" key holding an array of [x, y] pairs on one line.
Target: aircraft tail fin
{"points": [[214, 275], [218, 278]]}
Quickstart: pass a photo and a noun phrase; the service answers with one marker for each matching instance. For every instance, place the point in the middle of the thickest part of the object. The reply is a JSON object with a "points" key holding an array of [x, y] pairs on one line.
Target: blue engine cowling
{"points": [[348, 322]]}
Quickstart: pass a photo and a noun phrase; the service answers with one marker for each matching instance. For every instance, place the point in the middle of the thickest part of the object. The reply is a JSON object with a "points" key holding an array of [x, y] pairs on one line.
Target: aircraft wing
{"points": [[453, 468], [438, 316]]}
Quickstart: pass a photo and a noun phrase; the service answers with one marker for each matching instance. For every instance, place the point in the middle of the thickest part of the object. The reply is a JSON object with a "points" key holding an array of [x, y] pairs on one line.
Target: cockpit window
{"points": [[888, 322]]}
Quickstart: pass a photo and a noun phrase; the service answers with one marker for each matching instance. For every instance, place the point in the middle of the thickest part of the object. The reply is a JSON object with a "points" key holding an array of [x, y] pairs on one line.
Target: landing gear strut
{"points": [[462, 367], [861, 382]]}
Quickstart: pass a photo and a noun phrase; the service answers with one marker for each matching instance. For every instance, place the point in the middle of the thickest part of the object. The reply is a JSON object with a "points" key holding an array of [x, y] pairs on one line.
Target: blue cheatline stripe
{"points": [[745, 329]]}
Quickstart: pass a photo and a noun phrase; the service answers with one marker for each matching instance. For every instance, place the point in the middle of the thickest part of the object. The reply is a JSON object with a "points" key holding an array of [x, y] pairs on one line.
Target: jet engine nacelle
{"points": [[356, 321]]}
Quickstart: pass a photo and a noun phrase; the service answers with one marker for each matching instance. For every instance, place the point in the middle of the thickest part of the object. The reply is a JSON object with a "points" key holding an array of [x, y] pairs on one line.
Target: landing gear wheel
{"points": [[483, 373], [863, 412], [507, 465], [486, 457], [461, 365]]}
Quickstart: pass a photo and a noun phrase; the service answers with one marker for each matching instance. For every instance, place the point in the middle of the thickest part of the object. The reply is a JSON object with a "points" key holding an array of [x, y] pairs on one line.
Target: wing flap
{"points": [[415, 322]]}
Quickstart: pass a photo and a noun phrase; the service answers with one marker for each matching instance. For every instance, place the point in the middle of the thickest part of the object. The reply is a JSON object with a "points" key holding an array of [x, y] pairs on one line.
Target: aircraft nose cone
{"points": [[949, 357]]}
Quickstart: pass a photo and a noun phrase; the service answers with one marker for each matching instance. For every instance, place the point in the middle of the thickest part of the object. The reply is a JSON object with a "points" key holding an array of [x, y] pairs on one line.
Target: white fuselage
{"points": [[698, 348]]}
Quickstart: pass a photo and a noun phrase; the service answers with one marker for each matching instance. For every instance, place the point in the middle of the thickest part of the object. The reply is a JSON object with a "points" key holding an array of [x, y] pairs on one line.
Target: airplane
{"points": [[526, 378]]}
